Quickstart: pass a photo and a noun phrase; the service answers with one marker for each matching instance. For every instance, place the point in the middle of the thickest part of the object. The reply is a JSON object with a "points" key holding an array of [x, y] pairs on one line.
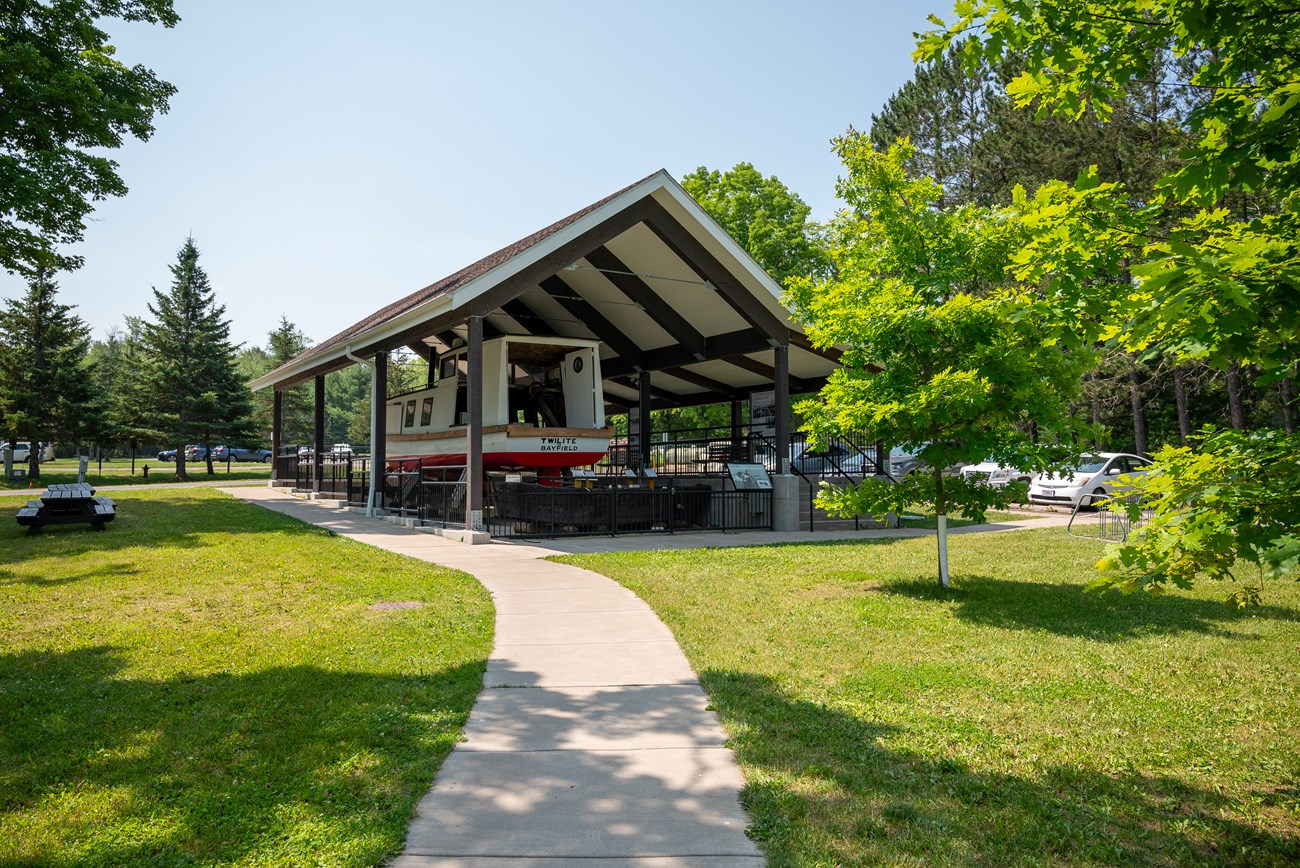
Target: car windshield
{"points": [[1090, 464]]}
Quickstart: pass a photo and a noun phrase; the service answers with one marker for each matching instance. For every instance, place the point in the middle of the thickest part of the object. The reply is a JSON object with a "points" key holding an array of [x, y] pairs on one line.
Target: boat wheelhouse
{"points": [[543, 408]]}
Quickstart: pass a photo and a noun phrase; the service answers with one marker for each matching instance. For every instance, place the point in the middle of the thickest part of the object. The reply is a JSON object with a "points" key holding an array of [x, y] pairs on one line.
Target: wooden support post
{"points": [[379, 425], [318, 450], [781, 384], [474, 430], [277, 432], [643, 415]]}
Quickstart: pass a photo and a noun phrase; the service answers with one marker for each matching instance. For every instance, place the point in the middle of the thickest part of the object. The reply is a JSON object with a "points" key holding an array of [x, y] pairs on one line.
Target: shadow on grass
{"points": [[825, 789], [103, 769], [1071, 610], [173, 519]]}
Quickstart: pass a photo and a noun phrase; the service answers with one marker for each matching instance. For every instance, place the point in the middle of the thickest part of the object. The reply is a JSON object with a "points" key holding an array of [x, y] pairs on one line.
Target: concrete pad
{"points": [[704, 861], [593, 718], [582, 804], [595, 665], [568, 628], [611, 598]]}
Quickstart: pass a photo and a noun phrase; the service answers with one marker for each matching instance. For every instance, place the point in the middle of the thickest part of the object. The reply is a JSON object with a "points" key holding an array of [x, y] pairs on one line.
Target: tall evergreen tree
{"points": [[187, 367], [47, 391], [283, 343]]}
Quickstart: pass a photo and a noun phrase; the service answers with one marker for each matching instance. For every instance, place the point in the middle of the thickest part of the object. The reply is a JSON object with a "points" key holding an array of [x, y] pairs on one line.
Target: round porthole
{"points": [[577, 365]]}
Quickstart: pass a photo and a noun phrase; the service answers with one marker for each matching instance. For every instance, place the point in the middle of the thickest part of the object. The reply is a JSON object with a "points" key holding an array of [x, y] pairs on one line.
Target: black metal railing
{"points": [[343, 477], [532, 510]]}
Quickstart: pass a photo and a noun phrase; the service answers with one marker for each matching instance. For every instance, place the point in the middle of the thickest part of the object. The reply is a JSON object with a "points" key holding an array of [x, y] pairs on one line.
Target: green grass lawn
{"points": [[118, 472], [205, 683], [1014, 720]]}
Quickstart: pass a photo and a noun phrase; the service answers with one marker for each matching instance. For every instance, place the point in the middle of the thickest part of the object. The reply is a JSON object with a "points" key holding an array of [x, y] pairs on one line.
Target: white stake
{"points": [[943, 551]]}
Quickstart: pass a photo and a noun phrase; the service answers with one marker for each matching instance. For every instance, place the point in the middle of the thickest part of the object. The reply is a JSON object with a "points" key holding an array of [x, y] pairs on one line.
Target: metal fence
{"points": [[528, 510], [344, 478], [707, 451]]}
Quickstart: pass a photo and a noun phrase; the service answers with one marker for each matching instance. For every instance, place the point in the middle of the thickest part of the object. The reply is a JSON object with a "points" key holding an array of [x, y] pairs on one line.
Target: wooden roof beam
{"points": [[602, 328], [685, 245], [716, 347], [637, 290], [704, 382], [765, 371]]}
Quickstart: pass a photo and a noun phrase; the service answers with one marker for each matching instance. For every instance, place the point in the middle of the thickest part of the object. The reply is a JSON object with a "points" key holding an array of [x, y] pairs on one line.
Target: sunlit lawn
{"points": [[205, 683], [1015, 720], [118, 472]]}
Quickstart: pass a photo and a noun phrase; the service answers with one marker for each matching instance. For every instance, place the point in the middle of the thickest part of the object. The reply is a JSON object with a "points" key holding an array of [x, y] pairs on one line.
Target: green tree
{"points": [[67, 99], [1215, 254], [283, 344], [944, 112], [47, 391], [187, 373], [964, 373], [763, 216]]}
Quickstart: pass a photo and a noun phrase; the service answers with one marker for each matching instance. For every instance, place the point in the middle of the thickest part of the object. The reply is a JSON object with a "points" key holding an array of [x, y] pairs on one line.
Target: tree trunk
{"points": [[1287, 388], [1236, 406], [1180, 399], [1139, 414], [941, 532], [180, 465], [207, 448], [1096, 412]]}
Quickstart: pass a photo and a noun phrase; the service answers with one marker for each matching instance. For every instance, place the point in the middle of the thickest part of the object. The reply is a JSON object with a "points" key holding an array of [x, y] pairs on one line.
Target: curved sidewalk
{"points": [[592, 739]]}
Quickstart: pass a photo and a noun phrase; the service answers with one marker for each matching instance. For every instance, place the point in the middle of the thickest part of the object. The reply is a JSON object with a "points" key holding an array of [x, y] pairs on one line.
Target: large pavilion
{"points": [[683, 314]]}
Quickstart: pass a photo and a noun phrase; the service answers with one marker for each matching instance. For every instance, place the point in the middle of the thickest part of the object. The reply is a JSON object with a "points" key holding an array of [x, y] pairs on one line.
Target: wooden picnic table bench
{"points": [[73, 503]]}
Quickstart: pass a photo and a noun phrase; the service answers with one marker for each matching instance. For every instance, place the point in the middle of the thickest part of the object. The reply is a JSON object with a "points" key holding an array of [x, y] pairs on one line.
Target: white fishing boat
{"points": [[543, 409]]}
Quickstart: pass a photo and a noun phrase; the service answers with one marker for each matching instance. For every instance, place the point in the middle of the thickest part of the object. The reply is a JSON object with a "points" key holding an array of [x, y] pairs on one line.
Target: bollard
{"points": [[145, 471]]}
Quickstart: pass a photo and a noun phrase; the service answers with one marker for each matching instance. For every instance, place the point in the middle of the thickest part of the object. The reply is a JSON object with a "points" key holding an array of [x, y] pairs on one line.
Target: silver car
{"points": [[1094, 479]]}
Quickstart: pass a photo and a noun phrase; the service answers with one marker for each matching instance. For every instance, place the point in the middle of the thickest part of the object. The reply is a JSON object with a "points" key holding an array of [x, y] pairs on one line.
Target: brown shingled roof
{"points": [[447, 284]]}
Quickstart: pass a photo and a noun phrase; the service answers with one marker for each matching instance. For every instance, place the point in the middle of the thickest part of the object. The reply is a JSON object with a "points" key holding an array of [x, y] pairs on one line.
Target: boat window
{"points": [[410, 414], [426, 412], [449, 368]]}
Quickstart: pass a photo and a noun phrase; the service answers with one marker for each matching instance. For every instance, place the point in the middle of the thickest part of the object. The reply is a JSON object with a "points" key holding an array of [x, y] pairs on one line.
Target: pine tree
{"points": [[187, 365], [283, 344], [47, 391]]}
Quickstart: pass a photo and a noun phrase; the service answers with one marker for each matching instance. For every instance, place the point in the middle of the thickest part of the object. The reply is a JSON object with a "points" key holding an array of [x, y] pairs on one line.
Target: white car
{"points": [[22, 451], [996, 474], [1095, 478]]}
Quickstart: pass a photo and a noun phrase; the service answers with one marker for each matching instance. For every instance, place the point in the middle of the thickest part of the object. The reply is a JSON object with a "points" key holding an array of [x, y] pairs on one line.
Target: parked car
{"points": [[836, 459], [996, 474], [196, 453], [1092, 480], [22, 451], [170, 454], [239, 453], [903, 462], [341, 450]]}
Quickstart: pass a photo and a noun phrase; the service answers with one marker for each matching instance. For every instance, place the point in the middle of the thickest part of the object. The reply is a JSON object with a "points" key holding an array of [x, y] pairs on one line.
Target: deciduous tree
{"points": [[763, 216], [1215, 253], [67, 101], [963, 369]]}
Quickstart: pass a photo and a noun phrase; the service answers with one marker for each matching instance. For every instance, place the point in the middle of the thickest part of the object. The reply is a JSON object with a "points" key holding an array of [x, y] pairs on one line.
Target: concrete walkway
{"points": [[592, 742], [609, 753]]}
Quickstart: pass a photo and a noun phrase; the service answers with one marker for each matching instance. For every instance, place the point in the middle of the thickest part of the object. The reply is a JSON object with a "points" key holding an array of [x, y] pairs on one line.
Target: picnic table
{"points": [[73, 503]]}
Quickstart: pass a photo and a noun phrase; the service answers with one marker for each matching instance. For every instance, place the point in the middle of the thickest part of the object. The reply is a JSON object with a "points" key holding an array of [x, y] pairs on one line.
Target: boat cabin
{"points": [[543, 407]]}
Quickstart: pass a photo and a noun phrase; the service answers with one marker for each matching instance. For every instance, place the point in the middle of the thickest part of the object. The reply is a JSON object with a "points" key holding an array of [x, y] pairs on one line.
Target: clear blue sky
{"points": [[330, 157]]}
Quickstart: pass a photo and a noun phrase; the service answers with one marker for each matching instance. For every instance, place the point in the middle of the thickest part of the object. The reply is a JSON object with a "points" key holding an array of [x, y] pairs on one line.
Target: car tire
{"points": [[266, 460], [1097, 496]]}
